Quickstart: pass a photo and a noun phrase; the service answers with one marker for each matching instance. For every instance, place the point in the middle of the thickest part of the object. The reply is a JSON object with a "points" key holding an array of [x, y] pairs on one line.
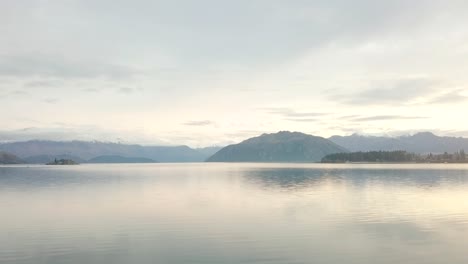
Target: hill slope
{"points": [[8, 158], [425, 142], [119, 159], [43, 159], [87, 150], [283, 146]]}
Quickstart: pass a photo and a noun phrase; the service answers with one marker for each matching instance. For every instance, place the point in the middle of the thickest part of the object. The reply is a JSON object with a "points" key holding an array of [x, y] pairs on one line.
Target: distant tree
{"points": [[462, 155], [446, 156], [372, 156]]}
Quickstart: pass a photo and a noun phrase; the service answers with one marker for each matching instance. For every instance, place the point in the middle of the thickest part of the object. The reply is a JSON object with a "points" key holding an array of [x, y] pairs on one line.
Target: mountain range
{"points": [[41, 151], [421, 143], [278, 147]]}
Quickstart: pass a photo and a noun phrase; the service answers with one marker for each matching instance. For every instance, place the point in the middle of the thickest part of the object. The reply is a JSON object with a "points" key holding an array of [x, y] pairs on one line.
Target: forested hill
{"points": [[395, 156], [283, 146]]}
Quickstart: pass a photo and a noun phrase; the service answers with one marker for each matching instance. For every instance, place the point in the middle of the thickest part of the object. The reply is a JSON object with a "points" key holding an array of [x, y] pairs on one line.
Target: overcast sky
{"points": [[211, 72]]}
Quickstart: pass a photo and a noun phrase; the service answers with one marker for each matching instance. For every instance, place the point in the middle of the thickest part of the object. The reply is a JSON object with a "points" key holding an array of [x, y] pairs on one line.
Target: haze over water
{"points": [[234, 213]]}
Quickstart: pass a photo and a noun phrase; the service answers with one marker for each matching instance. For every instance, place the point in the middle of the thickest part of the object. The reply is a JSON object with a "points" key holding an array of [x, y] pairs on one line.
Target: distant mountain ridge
{"points": [[283, 146], [424, 142], [87, 150], [119, 159]]}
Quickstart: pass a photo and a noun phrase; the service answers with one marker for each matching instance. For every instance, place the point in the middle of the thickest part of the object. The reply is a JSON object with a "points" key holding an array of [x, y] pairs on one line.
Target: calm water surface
{"points": [[234, 213]]}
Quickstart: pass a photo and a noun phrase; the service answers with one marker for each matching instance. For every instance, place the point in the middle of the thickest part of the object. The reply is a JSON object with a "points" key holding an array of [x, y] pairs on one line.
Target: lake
{"points": [[234, 213]]}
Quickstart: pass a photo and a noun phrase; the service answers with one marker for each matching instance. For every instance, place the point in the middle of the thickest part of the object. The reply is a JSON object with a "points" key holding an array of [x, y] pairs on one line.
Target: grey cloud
{"points": [[400, 91], [199, 123], [19, 92], [68, 133], [50, 100], [302, 119], [345, 129], [14, 93], [455, 133], [269, 30], [30, 133], [450, 97], [129, 90], [349, 116], [90, 90], [90, 40], [385, 117], [290, 113], [245, 133], [237, 136], [46, 66], [42, 83]]}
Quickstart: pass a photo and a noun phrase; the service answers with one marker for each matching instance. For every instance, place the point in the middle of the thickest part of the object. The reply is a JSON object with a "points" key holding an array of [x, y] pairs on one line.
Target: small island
{"points": [[62, 162]]}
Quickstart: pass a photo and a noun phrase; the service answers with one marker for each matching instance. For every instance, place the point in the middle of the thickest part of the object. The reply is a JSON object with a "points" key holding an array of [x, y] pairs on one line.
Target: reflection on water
{"points": [[234, 213]]}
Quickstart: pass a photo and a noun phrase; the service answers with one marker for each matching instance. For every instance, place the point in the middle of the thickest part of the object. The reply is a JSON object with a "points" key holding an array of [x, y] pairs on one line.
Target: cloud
{"points": [[302, 119], [19, 92], [290, 113], [14, 93], [385, 117], [400, 91], [199, 54], [129, 90], [350, 116], [450, 97], [75, 132], [240, 135], [50, 100], [344, 129], [91, 90], [42, 83], [199, 123], [56, 66], [455, 133], [269, 31]]}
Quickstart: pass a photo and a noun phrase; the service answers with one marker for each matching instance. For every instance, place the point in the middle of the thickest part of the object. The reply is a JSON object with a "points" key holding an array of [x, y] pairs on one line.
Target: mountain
{"points": [[43, 159], [424, 142], [119, 159], [208, 151], [283, 146], [86, 150], [8, 158], [357, 142]]}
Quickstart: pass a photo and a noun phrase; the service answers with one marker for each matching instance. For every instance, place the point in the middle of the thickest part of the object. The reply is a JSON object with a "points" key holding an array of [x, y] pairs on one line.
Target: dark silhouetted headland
{"points": [[283, 146]]}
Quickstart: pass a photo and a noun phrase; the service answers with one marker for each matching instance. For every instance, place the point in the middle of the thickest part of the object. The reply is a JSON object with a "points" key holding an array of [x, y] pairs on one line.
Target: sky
{"points": [[213, 72]]}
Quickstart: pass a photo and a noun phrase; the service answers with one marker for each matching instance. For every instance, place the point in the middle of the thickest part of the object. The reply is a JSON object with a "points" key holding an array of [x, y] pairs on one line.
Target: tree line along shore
{"points": [[395, 156]]}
